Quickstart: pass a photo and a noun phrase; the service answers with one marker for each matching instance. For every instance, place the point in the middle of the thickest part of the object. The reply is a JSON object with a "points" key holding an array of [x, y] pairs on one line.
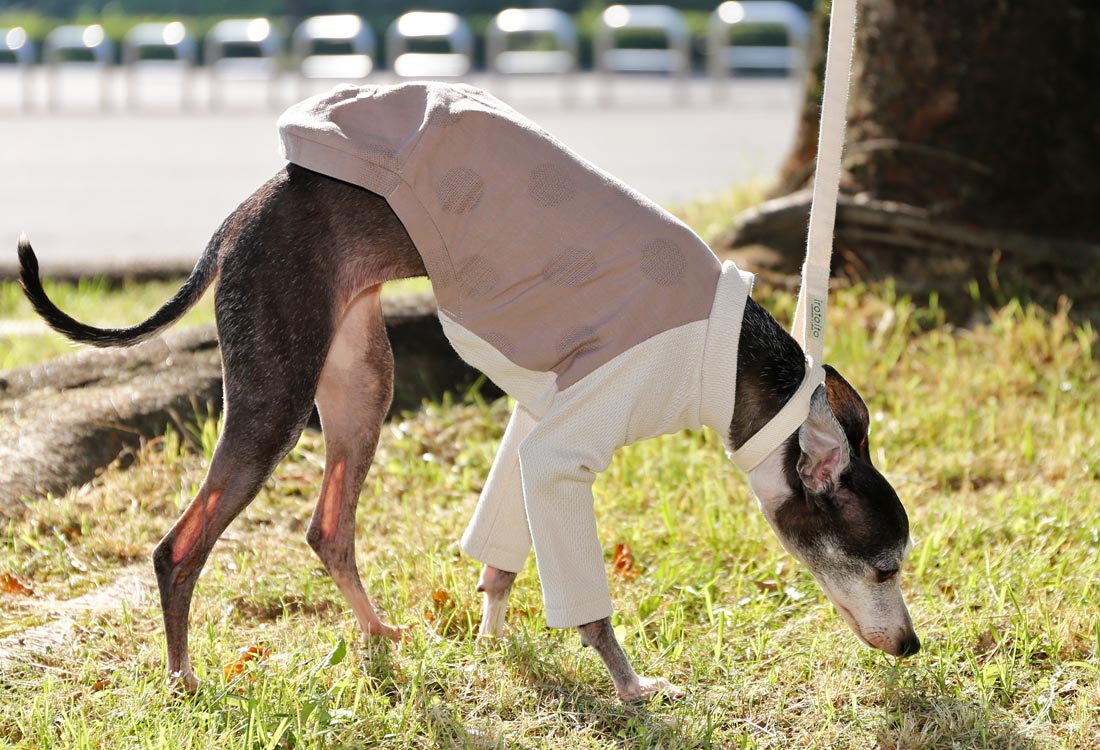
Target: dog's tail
{"points": [[172, 310]]}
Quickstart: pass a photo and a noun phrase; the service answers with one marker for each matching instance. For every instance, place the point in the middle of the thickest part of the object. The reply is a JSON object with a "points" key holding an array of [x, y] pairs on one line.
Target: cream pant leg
{"points": [[498, 534], [559, 461], [547, 467]]}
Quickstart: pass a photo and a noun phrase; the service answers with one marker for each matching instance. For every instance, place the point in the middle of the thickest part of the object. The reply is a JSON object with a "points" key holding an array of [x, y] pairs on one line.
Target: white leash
{"points": [[813, 296]]}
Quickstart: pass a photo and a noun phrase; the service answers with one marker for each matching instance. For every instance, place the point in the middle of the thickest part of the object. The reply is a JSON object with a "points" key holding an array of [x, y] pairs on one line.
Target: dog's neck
{"points": [[770, 368]]}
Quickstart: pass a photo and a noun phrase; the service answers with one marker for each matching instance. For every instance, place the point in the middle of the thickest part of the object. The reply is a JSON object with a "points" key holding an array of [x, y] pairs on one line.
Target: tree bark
{"points": [[984, 113], [64, 420]]}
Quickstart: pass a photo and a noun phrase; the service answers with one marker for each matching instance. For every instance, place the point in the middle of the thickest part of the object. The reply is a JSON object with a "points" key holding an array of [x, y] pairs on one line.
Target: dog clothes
{"points": [[605, 317]]}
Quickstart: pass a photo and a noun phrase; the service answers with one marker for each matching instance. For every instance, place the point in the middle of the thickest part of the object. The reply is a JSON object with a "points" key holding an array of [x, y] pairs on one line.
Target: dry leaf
{"points": [[236, 668], [441, 598], [9, 584], [441, 602], [624, 562]]}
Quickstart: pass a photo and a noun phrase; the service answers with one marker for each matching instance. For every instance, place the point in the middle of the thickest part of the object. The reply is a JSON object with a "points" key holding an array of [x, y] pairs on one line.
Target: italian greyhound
{"points": [[299, 267]]}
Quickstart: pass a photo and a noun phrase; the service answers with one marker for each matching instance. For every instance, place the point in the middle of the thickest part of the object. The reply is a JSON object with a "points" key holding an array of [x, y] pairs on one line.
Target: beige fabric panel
{"points": [[540, 484], [555, 263], [535, 389]]}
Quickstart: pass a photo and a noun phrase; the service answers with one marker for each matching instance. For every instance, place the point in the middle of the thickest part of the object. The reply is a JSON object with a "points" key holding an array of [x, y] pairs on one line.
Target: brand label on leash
{"points": [[817, 317]]}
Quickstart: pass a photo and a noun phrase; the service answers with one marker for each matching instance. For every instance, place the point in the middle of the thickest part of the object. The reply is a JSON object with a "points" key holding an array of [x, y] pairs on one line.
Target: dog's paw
{"points": [[647, 687], [184, 682], [395, 633], [489, 641], [490, 629]]}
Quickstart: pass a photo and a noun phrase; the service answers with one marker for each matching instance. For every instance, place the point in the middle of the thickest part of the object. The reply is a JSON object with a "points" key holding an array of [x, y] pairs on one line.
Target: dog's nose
{"points": [[909, 646]]}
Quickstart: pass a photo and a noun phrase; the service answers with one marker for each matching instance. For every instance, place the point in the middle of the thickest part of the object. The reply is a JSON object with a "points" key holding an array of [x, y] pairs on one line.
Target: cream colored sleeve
{"points": [[651, 390], [559, 465], [498, 533]]}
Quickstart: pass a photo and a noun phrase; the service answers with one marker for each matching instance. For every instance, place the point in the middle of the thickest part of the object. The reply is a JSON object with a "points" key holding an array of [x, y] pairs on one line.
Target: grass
{"points": [[991, 436]]}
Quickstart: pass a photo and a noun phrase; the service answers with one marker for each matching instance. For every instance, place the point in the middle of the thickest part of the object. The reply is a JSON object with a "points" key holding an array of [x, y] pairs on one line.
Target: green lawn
{"points": [[990, 434]]}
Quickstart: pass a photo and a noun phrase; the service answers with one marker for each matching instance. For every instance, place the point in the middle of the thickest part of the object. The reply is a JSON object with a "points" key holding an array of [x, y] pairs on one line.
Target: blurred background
{"points": [[132, 128]]}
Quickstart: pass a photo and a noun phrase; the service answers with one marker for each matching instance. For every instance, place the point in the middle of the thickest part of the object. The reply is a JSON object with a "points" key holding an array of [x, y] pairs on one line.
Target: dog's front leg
{"points": [[630, 687], [498, 535], [495, 585]]}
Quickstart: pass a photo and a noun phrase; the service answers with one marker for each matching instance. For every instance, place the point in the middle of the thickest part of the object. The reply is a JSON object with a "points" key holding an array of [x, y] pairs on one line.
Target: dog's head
{"points": [[836, 513]]}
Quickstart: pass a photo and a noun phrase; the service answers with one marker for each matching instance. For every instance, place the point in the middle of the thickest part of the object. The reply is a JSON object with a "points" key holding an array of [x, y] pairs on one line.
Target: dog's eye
{"points": [[882, 575]]}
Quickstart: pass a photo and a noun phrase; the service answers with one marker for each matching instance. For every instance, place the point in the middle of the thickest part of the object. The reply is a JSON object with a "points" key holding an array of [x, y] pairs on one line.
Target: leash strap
{"points": [[808, 328]]}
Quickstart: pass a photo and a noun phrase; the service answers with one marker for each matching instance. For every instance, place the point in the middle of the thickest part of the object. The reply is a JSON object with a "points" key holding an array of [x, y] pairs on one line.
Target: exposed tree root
{"points": [[873, 224]]}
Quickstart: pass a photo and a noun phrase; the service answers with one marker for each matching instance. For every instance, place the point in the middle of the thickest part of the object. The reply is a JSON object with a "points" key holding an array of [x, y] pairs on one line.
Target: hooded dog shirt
{"points": [[606, 318]]}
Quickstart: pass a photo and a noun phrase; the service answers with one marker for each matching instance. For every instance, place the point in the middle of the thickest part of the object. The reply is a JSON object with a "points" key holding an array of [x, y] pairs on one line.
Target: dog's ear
{"points": [[825, 451], [849, 409]]}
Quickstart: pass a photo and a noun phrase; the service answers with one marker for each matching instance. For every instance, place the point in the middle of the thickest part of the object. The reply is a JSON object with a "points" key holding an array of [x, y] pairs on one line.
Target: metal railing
{"points": [[16, 46], [243, 49], [65, 46], [558, 54], [628, 39], [673, 59], [724, 56], [334, 47], [446, 28], [169, 46]]}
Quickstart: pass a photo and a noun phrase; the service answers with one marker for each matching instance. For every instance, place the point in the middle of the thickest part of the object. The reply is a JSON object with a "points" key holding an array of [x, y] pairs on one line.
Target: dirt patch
{"points": [[131, 589]]}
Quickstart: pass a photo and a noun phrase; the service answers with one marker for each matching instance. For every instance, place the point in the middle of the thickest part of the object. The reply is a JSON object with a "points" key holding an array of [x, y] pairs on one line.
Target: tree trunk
{"points": [[980, 113]]}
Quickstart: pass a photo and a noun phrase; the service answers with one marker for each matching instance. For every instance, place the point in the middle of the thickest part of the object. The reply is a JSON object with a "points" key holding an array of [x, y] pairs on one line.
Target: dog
{"points": [[299, 268]]}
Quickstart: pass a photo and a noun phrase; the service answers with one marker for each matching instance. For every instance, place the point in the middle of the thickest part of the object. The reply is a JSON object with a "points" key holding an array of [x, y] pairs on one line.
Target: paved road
{"points": [[123, 190]]}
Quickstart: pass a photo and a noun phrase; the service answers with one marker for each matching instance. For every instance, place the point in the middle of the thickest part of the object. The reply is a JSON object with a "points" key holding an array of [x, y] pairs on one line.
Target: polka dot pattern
{"points": [[571, 267], [501, 343], [549, 185], [578, 341], [382, 153], [554, 264], [663, 262], [442, 275], [460, 191], [478, 276]]}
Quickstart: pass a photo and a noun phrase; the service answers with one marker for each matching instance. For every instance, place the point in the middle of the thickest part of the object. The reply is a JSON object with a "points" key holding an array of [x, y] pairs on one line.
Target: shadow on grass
{"points": [[583, 700], [923, 716], [619, 725]]}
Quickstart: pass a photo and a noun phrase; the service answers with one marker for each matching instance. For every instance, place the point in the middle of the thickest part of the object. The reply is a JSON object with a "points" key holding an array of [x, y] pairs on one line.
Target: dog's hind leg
{"points": [[273, 349], [353, 396], [251, 445]]}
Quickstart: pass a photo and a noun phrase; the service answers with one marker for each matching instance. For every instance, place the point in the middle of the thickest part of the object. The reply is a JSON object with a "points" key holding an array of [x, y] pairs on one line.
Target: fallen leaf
{"points": [[9, 584], [441, 603], [623, 561], [235, 668], [441, 598]]}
